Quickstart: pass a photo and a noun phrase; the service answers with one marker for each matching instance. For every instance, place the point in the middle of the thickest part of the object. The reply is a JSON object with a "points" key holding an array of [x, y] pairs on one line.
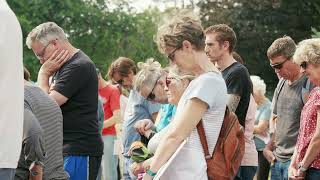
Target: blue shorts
{"points": [[82, 167]]}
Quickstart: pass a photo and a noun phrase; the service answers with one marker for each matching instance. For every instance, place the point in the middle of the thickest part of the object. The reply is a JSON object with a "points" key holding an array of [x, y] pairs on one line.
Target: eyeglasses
{"points": [[171, 55], [152, 96], [278, 65], [168, 81], [304, 65], [41, 54], [120, 81]]}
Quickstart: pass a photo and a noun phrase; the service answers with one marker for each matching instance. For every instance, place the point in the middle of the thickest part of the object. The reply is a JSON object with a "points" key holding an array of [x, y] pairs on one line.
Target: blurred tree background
{"points": [[106, 31]]}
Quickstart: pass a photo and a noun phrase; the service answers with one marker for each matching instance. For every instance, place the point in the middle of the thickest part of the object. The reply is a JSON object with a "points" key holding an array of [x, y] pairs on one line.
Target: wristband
{"points": [[150, 173]]}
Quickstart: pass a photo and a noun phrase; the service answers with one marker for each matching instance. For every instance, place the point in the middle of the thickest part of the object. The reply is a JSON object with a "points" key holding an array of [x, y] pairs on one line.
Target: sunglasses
{"points": [[304, 65], [152, 96], [120, 81], [168, 81], [278, 65]]}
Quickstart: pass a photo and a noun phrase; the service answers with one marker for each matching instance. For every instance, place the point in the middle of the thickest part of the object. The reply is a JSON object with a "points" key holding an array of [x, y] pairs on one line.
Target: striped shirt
{"points": [[189, 162], [50, 118]]}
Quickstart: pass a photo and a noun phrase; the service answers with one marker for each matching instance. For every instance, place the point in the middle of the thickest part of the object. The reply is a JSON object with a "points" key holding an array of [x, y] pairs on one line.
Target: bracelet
{"points": [[150, 173]]}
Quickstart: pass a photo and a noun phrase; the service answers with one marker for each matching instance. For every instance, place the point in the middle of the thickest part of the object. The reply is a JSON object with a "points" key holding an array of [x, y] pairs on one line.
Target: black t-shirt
{"points": [[238, 82], [77, 80]]}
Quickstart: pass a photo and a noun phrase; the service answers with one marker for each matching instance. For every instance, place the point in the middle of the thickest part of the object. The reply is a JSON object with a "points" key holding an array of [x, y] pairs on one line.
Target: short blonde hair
{"points": [[308, 51], [150, 72], [184, 26], [258, 84], [284, 46], [44, 33]]}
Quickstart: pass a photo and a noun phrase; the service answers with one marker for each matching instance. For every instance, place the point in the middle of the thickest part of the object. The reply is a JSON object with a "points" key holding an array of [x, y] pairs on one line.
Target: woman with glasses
{"points": [[123, 72], [306, 158], [175, 83], [205, 100]]}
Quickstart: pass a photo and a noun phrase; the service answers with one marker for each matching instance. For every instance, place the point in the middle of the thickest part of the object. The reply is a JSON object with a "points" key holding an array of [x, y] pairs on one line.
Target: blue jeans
{"points": [[279, 171], [313, 174], [109, 160], [7, 173], [246, 172], [127, 174]]}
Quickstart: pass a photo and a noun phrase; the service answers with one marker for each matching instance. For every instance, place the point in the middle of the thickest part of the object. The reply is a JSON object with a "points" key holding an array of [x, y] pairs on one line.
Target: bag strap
{"points": [[203, 140]]}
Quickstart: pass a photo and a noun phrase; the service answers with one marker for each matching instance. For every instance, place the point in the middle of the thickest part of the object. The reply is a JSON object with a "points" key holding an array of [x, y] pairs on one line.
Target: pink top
{"points": [[308, 125], [250, 157]]}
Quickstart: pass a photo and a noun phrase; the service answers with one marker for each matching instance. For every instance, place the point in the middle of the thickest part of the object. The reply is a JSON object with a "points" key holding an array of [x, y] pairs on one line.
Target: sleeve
{"points": [[152, 107], [115, 99], [208, 94], [266, 114], [237, 81], [34, 150], [71, 79]]}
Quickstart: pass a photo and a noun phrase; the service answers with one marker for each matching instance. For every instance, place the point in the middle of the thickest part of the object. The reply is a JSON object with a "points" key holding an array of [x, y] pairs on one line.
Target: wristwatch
{"points": [[301, 168]]}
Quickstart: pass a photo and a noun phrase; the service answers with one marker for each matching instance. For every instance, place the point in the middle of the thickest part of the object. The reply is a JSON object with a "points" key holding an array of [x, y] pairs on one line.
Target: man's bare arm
{"points": [[233, 101]]}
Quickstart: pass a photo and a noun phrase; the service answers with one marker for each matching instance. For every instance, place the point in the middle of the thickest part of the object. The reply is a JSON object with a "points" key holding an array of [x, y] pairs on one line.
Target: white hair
{"points": [[150, 72], [308, 51], [258, 84], [44, 33]]}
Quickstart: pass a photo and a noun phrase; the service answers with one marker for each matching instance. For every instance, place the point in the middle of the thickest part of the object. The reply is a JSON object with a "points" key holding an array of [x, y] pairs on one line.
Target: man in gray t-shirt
{"points": [[50, 118], [289, 98]]}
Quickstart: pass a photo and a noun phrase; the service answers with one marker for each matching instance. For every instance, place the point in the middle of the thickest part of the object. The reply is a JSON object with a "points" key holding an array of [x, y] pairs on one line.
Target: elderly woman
{"points": [[205, 99], [306, 158], [175, 83], [262, 117]]}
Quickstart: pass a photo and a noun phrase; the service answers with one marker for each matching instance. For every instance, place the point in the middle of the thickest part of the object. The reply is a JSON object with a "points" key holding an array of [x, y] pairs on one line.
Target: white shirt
{"points": [[11, 88], [189, 164]]}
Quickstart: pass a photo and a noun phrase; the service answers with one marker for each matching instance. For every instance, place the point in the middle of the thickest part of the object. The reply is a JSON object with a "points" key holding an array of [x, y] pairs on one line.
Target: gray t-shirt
{"points": [[137, 108], [33, 149], [287, 107], [50, 118]]}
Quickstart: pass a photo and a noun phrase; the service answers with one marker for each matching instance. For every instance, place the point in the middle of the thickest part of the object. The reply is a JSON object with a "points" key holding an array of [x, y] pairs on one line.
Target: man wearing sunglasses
{"points": [[288, 101]]}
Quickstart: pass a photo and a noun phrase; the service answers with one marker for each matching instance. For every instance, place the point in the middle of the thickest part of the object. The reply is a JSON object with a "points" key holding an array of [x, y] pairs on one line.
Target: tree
{"points": [[258, 23], [102, 32]]}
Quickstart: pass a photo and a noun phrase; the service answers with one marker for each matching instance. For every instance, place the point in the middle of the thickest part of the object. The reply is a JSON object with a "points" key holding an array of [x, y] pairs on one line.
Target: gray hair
{"points": [[308, 51], [284, 46], [44, 33], [258, 84], [150, 72], [177, 73]]}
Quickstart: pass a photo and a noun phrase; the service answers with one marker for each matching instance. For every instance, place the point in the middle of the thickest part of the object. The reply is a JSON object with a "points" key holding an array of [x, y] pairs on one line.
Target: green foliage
{"points": [[102, 33], [258, 23]]}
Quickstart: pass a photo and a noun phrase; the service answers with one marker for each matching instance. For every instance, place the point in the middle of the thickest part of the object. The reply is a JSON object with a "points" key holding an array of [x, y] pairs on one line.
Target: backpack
{"points": [[229, 150]]}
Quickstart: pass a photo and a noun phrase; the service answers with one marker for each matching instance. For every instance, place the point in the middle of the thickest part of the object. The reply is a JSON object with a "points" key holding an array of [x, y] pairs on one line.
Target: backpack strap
{"points": [[203, 140]]}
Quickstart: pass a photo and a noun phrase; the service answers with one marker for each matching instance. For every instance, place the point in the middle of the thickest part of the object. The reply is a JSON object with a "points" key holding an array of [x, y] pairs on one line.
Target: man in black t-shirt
{"points": [[220, 43], [74, 86]]}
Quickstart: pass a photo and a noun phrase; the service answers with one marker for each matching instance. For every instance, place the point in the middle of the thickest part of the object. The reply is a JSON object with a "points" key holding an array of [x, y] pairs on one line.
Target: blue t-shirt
{"points": [[137, 108], [263, 114], [167, 113]]}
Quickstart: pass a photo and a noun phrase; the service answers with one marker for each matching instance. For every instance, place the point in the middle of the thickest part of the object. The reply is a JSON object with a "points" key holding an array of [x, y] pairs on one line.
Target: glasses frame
{"points": [[151, 95], [304, 65], [41, 54], [172, 54], [279, 65]]}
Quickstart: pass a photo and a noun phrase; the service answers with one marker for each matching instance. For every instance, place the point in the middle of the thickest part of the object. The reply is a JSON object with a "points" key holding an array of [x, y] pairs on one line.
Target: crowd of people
{"points": [[140, 121]]}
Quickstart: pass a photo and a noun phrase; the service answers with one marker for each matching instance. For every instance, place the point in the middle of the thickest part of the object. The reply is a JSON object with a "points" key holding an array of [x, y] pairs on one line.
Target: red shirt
{"points": [[308, 125], [110, 96]]}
